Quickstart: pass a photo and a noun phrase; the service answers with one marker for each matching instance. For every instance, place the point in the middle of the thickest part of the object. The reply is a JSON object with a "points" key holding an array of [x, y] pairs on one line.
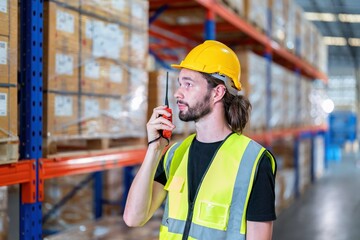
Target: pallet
{"points": [[74, 146], [9, 151]]}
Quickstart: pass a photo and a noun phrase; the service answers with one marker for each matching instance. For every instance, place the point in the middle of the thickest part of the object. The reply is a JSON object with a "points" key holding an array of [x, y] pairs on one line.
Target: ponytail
{"points": [[237, 108]]}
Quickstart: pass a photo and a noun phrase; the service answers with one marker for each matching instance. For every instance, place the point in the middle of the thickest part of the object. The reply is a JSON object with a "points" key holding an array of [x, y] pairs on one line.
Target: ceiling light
{"points": [[352, 18], [335, 41], [326, 17], [355, 42]]}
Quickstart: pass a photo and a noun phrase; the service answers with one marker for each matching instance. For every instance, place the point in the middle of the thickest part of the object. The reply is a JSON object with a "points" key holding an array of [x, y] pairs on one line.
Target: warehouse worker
{"points": [[218, 183]]}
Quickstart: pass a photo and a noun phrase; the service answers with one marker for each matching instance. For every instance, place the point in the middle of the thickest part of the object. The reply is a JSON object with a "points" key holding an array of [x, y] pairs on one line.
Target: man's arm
{"points": [[259, 230], [146, 195]]}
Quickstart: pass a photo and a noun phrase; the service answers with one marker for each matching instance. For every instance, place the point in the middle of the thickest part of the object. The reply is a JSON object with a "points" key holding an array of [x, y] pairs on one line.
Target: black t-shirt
{"points": [[261, 206]]}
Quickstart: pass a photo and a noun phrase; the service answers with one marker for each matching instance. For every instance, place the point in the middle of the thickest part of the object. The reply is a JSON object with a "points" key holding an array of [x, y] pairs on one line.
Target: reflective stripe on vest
{"points": [[235, 226]]}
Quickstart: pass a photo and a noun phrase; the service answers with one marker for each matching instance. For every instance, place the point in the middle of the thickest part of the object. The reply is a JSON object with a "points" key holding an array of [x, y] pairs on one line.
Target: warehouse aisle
{"points": [[329, 209]]}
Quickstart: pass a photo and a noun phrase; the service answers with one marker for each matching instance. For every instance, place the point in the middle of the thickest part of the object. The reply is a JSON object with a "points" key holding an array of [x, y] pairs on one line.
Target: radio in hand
{"points": [[167, 133]]}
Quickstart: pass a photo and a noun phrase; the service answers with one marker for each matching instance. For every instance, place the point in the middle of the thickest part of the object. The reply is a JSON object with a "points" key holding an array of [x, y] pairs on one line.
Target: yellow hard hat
{"points": [[213, 57]]}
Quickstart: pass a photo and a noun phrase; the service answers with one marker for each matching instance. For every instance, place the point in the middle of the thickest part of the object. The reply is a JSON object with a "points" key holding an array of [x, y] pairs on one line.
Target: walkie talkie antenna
{"points": [[166, 93]]}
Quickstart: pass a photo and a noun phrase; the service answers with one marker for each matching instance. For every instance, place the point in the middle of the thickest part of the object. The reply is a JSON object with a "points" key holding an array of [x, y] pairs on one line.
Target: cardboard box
{"points": [[61, 28], [61, 70], [115, 77], [8, 17], [140, 14], [299, 29], [8, 41], [139, 45], [256, 12], [118, 11], [60, 115], [8, 114], [115, 116], [5, 60], [91, 79], [91, 117], [8, 60], [101, 39], [279, 9], [71, 3]]}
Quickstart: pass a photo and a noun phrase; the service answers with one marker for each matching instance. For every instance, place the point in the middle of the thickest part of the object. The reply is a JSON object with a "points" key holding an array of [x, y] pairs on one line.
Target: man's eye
{"points": [[188, 85]]}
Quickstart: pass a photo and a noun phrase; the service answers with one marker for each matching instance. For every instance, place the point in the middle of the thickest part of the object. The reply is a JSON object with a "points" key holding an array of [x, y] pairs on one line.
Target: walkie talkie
{"points": [[166, 133]]}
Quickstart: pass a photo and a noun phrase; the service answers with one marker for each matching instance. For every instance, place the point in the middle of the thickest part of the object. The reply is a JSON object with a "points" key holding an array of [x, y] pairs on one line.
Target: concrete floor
{"points": [[329, 209]]}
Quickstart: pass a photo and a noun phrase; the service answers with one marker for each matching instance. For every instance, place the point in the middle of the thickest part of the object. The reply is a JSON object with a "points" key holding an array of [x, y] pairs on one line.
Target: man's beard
{"points": [[200, 110]]}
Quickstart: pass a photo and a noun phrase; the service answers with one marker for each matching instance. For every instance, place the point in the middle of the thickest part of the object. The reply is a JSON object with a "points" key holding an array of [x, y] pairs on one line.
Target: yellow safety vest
{"points": [[219, 208]]}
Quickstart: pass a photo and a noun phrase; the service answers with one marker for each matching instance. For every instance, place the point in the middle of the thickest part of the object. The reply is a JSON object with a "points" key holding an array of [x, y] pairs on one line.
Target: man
{"points": [[218, 184]]}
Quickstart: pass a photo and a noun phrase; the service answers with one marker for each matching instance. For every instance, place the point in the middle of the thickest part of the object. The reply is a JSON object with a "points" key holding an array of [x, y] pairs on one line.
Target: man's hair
{"points": [[237, 108]]}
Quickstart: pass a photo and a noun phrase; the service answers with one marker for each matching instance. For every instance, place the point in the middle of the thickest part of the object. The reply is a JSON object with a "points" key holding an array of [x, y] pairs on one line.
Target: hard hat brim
{"points": [[177, 66]]}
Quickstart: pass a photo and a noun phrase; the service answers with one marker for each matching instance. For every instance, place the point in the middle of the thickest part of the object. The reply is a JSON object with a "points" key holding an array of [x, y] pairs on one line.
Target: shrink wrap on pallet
{"points": [[9, 139], [95, 59]]}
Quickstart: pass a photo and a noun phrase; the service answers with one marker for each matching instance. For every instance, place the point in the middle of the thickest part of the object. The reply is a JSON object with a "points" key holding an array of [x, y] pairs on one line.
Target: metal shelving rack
{"points": [[32, 170]]}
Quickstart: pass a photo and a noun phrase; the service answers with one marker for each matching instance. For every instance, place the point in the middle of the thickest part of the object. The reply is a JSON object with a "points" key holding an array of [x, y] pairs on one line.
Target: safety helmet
{"points": [[215, 58]]}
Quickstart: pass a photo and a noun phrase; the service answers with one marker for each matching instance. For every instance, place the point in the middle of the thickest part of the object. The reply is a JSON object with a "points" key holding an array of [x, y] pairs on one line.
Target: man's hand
{"points": [[157, 122]]}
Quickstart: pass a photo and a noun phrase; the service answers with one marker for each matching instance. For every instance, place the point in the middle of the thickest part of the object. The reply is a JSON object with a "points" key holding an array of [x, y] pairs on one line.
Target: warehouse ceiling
{"points": [[346, 48]]}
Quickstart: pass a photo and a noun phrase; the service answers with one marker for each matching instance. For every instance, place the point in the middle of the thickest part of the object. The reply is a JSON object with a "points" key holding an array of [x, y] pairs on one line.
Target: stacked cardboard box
{"points": [[279, 9], [92, 50], [290, 36], [256, 12], [304, 164], [284, 153], [290, 111], [284, 189], [8, 81], [253, 81], [299, 30], [305, 118]]}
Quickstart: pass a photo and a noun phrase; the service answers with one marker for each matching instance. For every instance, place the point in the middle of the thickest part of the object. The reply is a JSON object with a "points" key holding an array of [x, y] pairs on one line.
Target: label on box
{"points": [[93, 27], [115, 109], [92, 69], [106, 36], [3, 53], [3, 104], [64, 64], [89, 28], [65, 22], [3, 6], [118, 4], [116, 74], [136, 41], [63, 106], [137, 10], [91, 108]]}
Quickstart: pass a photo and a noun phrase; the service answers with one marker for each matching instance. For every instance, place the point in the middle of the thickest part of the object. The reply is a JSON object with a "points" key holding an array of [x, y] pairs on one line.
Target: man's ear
{"points": [[219, 92]]}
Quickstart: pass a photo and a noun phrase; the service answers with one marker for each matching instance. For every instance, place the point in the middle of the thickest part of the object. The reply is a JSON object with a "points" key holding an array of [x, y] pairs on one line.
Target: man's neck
{"points": [[212, 128]]}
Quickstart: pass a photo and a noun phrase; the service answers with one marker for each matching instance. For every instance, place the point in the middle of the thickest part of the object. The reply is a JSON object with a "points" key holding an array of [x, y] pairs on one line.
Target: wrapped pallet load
{"points": [[95, 91], [93, 50], [9, 140]]}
